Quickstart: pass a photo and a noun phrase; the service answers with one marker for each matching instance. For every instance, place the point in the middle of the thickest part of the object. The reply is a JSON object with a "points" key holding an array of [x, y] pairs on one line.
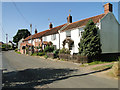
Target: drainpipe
{"points": [[59, 39], [31, 36]]}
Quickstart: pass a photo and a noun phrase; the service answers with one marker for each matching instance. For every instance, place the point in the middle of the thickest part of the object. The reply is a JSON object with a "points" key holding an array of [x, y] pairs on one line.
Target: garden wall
{"points": [[73, 58]]}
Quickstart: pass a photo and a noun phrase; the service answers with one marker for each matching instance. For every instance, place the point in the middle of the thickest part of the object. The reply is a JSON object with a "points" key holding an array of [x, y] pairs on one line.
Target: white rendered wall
{"points": [[62, 38], [56, 41], [76, 38]]}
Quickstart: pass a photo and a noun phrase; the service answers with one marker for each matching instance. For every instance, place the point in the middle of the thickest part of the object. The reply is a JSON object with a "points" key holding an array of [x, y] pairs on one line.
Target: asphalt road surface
{"points": [[33, 72]]}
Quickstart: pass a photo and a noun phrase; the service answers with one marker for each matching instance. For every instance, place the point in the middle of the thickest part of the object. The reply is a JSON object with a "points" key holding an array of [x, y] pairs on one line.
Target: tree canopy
{"points": [[90, 42], [22, 33]]}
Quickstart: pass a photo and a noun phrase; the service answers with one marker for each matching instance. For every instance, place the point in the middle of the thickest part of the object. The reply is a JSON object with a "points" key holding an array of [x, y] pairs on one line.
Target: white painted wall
{"points": [[76, 38], [56, 41], [109, 34], [49, 38], [62, 38]]}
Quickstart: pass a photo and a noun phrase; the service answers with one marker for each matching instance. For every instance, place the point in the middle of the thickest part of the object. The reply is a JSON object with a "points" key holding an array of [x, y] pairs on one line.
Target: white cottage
{"points": [[109, 30]]}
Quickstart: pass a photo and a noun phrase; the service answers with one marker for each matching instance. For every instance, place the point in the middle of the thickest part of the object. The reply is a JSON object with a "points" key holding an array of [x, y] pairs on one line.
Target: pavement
{"points": [[34, 72]]}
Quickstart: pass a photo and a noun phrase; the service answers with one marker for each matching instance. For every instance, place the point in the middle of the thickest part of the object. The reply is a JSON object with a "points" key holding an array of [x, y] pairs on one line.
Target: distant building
{"points": [[10, 43], [1, 43]]}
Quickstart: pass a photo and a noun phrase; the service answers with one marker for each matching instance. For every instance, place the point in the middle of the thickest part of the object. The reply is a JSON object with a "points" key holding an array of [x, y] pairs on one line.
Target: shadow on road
{"points": [[30, 78]]}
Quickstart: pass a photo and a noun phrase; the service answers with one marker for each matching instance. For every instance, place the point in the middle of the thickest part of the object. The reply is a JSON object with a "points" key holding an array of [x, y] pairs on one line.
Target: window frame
{"points": [[81, 30], [53, 36], [69, 35], [45, 38]]}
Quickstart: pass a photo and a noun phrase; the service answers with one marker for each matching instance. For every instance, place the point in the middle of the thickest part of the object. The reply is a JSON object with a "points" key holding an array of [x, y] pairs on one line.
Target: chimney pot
{"points": [[69, 19], [50, 25], [35, 31]]}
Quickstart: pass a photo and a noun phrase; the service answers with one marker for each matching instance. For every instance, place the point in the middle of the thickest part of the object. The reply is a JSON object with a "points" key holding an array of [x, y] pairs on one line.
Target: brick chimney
{"points": [[108, 8], [35, 31], [50, 25], [69, 19]]}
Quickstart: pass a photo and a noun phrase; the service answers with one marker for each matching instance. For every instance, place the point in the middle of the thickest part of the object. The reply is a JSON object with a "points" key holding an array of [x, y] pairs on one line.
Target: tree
{"points": [[22, 33], [90, 42]]}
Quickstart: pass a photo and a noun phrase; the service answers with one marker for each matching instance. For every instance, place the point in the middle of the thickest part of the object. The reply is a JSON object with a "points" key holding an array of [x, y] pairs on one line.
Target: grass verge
{"points": [[103, 67], [18, 52], [97, 62]]}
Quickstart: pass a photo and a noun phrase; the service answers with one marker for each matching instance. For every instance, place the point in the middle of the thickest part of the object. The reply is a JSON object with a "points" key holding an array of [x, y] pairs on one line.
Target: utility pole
{"points": [[6, 38], [6, 41], [31, 36]]}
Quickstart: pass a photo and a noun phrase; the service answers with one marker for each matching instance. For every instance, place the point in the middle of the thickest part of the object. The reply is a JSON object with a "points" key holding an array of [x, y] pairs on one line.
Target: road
{"points": [[34, 72]]}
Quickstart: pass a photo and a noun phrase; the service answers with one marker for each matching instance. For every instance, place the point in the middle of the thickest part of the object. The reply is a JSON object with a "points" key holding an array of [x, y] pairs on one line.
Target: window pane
{"points": [[68, 33]]}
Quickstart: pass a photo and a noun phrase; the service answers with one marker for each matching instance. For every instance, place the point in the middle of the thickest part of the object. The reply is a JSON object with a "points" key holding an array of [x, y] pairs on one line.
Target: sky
{"points": [[19, 15]]}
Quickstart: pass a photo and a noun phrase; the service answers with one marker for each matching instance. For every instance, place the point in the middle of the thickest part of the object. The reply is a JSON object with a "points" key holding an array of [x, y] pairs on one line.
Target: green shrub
{"points": [[67, 51], [56, 52], [40, 54], [46, 56], [34, 54], [119, 58], [90, 42], [64, 51], [16, 50], [49, 49], [46, 49]]}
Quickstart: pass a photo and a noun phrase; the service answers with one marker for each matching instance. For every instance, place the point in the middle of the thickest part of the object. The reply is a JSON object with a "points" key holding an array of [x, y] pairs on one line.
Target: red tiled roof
{"points": [[37, 35], [40, 34], [73, 25], [83, 22], [53, 30], [27, 38]]}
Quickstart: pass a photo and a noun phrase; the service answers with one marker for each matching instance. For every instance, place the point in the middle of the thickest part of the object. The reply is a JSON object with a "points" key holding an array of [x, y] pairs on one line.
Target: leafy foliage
{"points": [[56, 52], [46, 56], [6, 47], [90, 42], [18, 52], [22, 33], [64, 51], [49, 49], [40, 54], [16, 49]]}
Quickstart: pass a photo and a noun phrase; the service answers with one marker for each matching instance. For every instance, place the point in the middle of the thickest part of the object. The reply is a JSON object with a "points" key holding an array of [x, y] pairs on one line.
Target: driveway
{"points": [[34, 72]]}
